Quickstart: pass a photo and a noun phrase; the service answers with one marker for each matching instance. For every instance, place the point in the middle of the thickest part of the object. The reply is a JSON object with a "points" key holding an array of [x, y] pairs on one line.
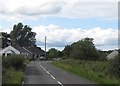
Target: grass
{"points": [[12, 76], [13, 68], [96, 71]]}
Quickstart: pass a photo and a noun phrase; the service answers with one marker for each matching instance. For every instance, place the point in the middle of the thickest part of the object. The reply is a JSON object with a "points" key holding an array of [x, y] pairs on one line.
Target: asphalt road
{"points": [[42, 72]]}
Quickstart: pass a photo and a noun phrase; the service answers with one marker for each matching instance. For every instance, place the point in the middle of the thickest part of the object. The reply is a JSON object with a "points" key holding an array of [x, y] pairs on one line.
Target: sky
{"points": [[64, 21]]}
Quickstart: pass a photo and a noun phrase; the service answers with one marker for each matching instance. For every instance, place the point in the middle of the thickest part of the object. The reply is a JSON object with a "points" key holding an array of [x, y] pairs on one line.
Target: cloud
{"points": [[43, 9], [27, 10], [59, 37], [105, 10], [19, 10], [4, 30]]}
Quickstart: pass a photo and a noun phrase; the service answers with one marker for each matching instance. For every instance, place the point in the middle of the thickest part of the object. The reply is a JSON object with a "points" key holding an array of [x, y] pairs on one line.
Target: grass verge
{"points": [[12, 76], [13, 68], [96, 71]]}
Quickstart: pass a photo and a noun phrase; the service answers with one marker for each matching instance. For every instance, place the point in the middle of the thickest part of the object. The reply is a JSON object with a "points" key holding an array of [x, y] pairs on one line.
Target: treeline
{"points": [[83, 49]]}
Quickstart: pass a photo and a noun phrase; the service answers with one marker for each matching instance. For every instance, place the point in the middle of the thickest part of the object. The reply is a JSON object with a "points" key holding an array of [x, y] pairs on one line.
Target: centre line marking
{"points": [[48, 72], [44, 69], [52, 76], [59, 83]]}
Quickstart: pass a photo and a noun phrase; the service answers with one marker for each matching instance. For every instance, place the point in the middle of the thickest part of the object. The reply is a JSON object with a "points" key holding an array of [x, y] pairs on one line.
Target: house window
{"points": [[8, 54], [3, 54]]}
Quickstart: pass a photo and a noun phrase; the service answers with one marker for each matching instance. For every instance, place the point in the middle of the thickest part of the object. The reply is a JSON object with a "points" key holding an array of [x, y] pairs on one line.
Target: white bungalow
{"points": [[11, 50]]}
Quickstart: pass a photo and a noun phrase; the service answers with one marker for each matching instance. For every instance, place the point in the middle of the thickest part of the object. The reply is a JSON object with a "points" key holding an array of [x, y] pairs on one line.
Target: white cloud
{"points": [[59, 37], [26, 10], [105, 10], [18, 10], [5, 30]]}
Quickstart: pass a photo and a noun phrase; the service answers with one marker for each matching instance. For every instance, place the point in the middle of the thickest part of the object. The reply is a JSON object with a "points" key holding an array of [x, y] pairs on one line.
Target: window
{"points": [[3, 54], [8, 54]]}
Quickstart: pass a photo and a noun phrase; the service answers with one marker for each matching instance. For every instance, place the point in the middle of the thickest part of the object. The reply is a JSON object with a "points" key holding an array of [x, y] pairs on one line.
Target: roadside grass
{"points": [[12, 76], [13, 68], [96, 71]]}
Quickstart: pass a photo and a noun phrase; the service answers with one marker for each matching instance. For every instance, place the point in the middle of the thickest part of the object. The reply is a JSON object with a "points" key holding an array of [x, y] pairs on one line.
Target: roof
{"points": [[112, 55], [20, 49], [34, 49]]}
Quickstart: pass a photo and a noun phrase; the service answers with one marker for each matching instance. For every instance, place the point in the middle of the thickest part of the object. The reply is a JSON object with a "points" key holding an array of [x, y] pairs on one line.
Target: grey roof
{"points": [[34, 50], [19, 48]]}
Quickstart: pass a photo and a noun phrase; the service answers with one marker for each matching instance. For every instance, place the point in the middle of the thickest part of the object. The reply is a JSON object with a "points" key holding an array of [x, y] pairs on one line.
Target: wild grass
{"points": [[96, 71], [13, 68], [12, 76]]}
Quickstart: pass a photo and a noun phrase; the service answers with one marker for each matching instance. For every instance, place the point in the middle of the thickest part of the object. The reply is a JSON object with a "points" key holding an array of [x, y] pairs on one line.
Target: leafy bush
{"points": [[15, 61], [114, 68]]}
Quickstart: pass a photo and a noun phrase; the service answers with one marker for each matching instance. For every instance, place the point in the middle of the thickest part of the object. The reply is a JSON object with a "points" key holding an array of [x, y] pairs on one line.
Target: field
{"points": [[96, 71]]}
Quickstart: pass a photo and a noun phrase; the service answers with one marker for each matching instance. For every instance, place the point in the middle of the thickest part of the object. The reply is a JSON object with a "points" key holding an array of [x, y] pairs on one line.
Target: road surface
{"points": [[42, 72]]}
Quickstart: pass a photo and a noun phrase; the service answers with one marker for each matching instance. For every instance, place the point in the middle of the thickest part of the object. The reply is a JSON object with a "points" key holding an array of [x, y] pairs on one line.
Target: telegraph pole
{"points": [[45, 47]]}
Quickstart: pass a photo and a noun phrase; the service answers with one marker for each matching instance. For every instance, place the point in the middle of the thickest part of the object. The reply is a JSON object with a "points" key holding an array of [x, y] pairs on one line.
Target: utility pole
{"points": [[45, 47]]}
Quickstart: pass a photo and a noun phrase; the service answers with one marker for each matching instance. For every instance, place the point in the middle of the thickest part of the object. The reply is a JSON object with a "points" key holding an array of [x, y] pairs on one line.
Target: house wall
{"points": [[25, 54], [9, 50]]}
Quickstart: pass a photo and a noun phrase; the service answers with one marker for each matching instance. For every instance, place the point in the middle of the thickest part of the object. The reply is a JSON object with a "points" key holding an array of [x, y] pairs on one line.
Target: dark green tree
{"points": [[83, 50], [53, 53], [23, 35], [4, 40], [88, 50], [67, 50]]}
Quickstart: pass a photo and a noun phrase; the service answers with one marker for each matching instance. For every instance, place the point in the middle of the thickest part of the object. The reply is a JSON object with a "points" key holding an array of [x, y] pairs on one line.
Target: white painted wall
{"points": [[9, 50]]}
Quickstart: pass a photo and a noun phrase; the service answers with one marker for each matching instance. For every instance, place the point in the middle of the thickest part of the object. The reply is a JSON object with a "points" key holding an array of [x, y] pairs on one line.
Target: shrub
{"points": [[114, 68], [15, 61]]}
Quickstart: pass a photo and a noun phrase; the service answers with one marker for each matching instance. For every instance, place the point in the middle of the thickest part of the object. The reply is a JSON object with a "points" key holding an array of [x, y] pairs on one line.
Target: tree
{"points": [[67, 50], [53, 53], [83, 50], [5, 39], [22, 35], [88, 50]]}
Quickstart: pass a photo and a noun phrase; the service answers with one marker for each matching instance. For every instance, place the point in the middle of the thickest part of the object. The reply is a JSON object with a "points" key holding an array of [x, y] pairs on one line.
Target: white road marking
{"points": [[52, 76], [48, 72], [59, 83], [44, 69]]}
